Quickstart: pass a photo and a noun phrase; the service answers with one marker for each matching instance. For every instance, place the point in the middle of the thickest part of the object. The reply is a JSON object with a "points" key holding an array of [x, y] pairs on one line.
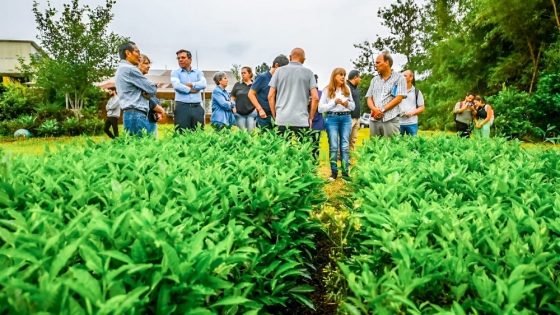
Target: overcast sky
{"points": [[223, 32]]}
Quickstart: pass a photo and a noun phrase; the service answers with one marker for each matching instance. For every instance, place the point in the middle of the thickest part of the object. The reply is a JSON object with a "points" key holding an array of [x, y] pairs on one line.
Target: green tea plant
{"points": [[455, 226], [200, 223]]}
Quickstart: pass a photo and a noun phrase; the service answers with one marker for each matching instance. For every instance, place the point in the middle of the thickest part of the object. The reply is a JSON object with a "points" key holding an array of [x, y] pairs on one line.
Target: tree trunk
{"points": [[556, 14], [535, 66]]}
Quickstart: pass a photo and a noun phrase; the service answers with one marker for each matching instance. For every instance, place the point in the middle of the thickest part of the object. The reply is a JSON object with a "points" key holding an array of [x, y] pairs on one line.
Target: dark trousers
{"points": [[463, 128], [188, 116], [114, 122]]}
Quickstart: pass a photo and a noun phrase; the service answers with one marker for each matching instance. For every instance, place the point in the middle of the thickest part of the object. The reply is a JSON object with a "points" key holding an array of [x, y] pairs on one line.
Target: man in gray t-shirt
{"points": [[290, 88]]}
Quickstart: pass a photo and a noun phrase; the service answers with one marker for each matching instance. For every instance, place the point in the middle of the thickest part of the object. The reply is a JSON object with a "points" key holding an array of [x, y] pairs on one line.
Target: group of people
{"points": [[287, 96], [473, 113]]}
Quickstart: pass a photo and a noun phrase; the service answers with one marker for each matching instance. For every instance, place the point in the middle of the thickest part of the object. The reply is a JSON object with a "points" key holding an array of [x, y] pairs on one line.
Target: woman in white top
{"points": [[336, 100]]}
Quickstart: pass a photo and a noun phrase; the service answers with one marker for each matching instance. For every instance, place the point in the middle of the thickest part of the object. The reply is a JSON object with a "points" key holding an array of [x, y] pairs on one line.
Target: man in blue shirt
{"points": [[133, 89], [187, 83], [259, 93]]}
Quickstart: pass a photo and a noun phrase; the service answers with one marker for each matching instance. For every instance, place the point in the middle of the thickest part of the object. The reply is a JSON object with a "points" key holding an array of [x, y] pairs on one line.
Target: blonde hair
{"points": [[331, 88]]}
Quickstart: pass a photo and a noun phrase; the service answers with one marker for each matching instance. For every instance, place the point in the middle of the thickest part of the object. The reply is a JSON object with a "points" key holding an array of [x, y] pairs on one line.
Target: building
{"points": [[10, 51]]}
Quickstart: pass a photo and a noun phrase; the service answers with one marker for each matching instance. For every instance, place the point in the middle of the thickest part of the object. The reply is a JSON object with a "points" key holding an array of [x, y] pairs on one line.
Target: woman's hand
{"points": [[338, 101], [478, 126], [262, 113]]}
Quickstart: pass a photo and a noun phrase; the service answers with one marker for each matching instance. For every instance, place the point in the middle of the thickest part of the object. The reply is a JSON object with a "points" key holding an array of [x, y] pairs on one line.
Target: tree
{"points": [[365, 63], [77, 50], [261, 69], [236, 70], [403, 21]]}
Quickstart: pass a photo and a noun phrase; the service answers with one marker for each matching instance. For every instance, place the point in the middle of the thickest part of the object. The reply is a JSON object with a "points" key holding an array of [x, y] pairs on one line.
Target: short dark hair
{"points": [[281, 60], [387, 57], [124, 47], [479, 98], [353, 73], [189, 55], [112, 88], [469, 94]]}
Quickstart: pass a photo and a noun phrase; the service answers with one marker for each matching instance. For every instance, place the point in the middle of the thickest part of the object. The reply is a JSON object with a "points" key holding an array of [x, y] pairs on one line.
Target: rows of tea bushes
{"points": [[455, 226], [201, 223]]}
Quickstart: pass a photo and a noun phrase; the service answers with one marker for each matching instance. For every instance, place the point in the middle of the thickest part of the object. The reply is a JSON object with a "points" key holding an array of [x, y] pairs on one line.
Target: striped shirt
{"points": [[130, 83], [380, 90]]}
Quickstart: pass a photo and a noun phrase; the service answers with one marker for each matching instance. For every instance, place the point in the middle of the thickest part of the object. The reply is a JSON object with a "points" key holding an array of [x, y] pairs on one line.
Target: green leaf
{"points": [[303, 300], [170, 260], [231, 300], [93, 261], [117, 255], [62, 258], [302, 289]]}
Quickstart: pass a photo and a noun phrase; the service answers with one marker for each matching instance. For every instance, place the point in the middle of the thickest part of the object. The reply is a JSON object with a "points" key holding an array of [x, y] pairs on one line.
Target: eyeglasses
{"points": [[136, 51]]}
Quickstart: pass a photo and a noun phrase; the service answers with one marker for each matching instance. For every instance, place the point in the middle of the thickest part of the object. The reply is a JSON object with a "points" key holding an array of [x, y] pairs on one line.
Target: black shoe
{"points": [[332, 178], [346, 178]]}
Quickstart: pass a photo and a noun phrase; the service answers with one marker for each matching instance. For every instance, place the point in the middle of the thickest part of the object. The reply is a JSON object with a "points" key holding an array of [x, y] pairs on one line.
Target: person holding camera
{"points": [[464, 112]]}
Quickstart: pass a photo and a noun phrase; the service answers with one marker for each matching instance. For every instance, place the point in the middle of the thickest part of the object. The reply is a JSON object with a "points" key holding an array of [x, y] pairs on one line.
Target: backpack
{"points": [[416, 91]]}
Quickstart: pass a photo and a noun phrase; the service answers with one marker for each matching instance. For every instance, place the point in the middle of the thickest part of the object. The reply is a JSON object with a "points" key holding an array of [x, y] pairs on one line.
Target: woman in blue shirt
{"points": [[222, 105]]}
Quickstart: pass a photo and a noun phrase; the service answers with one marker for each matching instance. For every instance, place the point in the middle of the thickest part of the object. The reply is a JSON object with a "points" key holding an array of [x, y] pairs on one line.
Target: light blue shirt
{"points": [[130, 83], [222, 109], [182, 92]]}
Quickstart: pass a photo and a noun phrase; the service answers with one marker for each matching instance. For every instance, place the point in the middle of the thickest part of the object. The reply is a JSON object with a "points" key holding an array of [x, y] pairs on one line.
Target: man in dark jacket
{"points": [[353, 81]]}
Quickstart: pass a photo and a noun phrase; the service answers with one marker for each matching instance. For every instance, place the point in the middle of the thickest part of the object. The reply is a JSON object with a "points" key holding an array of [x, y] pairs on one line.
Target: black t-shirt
{"points": [[481, 112], [356, 96], [241, 91]]}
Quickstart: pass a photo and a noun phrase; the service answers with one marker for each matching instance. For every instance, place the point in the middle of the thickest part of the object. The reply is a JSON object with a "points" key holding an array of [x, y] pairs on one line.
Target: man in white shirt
{"points": [[384, 95], [411, 106]]}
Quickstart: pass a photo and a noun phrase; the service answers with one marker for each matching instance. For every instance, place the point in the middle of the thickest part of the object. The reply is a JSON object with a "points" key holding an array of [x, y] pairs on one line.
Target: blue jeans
{"points": [[338, 131], [135, 122], [246, 121], [265, 123], [409, 129], [153, 129]]}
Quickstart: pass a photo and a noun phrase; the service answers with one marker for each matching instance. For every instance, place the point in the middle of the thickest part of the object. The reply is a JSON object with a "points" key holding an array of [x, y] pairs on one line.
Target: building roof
{"points": [[32, 43]]}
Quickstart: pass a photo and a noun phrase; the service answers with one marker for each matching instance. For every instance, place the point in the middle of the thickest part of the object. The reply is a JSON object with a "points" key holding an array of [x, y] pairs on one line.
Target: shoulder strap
{"points": [[416, 92]]}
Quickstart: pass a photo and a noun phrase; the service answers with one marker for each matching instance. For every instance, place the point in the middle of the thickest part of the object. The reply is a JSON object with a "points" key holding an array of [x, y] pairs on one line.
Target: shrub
{"points": [[454, 226], [56, 111], [93, 126], [49, 128], [71, 126], [544, 103], [512, 115], [17, 100], [200, 223]]}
